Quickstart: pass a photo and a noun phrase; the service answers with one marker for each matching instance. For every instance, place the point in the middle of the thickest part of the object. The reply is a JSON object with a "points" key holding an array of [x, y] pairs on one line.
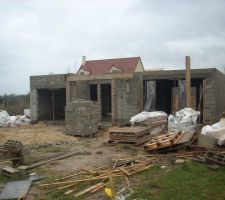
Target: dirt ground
{"points": [[40, 133], [42, 141]]}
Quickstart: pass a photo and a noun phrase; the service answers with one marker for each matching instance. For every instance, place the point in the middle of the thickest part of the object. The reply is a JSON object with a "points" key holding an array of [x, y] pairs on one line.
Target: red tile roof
{"points": [[104, 66]]}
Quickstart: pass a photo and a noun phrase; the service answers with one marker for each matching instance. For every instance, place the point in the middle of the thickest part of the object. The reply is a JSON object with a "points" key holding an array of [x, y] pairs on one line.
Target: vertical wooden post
{"points": [[188, 81], [114, 102]]}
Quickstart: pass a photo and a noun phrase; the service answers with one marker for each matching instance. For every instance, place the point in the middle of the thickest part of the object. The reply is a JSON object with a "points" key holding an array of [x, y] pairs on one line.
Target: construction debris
{"points": [[169, 141], [13, 150], [134, 135], [22, 171], [99, 176], [29, 167], [163, 141], [215, 157]]}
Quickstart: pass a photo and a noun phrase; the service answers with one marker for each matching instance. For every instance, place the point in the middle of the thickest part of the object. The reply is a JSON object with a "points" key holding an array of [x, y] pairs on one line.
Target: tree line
{"points": [[14, 104]]}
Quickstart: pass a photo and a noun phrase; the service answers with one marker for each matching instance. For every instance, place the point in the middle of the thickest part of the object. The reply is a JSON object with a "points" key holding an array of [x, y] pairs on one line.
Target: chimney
{"points": [[83, 60]]}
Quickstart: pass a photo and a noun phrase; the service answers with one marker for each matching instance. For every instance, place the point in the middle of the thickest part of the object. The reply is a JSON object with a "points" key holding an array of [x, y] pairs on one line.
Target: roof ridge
{"points": [[113, 58]]}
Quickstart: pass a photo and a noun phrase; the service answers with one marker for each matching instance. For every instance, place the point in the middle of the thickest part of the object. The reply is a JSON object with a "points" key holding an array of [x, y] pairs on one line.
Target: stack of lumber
{"points": [[135, 135], [95, 179]]}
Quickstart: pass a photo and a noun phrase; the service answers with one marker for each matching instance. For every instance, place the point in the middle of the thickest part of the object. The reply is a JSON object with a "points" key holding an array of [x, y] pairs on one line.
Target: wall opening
{"points": [[51, 104], [169, 95], [106, 102]]}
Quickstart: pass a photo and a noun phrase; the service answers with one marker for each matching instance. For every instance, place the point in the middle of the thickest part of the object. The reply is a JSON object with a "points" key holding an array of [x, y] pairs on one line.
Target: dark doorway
{"points": [[51, 104], [164, 95], [106, 102], [93, 92]]}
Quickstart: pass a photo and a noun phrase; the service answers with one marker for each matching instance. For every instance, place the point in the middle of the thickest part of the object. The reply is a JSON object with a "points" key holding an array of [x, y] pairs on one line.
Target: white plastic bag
{"points": [[4, 119], [143, 116], [216, 130], [183, 120]]}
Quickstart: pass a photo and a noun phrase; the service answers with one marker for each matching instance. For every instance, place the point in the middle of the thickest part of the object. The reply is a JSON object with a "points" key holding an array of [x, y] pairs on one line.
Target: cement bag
{"points": [[183, 120], [20, 120], [143, 116], [4, 119], [27, 113]]}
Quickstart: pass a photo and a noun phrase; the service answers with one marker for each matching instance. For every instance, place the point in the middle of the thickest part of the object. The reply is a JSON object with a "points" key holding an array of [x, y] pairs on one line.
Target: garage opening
{"points": [[169, 95], [51, 104], [106, 102]]}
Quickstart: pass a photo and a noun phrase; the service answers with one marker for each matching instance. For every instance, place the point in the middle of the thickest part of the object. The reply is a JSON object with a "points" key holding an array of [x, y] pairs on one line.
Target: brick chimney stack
{"points": [[83, 60]]}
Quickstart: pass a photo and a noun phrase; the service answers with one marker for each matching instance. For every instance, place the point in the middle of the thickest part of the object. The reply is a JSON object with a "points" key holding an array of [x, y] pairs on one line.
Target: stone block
{"points": [[207, 141]]}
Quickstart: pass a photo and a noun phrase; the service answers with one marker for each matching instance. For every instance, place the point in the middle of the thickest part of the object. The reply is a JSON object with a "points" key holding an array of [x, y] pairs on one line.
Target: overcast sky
{"points": [[50, 36]]}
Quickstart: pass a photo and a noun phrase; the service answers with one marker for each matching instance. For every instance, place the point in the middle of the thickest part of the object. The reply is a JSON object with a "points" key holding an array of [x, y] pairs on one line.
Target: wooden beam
{"points": [[188, 81]]}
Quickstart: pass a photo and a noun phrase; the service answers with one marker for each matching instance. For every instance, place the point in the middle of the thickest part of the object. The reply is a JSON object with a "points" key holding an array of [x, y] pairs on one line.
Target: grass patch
{"points": [[3, 179], [54, 194], [194, 181], [51, 149]]}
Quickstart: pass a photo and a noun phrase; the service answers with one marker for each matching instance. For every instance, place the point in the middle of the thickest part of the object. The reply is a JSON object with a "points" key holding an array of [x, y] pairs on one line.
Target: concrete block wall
{"points": [[81, 118], [220, 93], [43, 82], [80, 90], [211, 103], [34, 105], [48, 81]]}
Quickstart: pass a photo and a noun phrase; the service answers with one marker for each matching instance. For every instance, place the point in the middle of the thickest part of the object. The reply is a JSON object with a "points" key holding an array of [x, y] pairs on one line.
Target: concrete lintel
{"points": [[99, 77]]}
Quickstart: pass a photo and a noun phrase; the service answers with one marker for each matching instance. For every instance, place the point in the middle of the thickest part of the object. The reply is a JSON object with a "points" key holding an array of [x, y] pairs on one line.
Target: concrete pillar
{"points": [[34, 105], [68, 92]]}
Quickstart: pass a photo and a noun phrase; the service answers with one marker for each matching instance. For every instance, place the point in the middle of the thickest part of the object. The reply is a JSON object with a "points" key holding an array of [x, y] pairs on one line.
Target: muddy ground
{"points": [[42, 141]]}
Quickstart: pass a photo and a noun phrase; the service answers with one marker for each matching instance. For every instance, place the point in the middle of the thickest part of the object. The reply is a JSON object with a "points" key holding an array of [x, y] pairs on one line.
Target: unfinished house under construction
{"points": [[120, 88]]}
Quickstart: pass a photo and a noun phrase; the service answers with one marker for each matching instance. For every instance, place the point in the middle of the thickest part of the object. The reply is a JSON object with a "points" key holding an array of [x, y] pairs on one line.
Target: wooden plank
{"points": [[79, 173], [127, 181], [124, 171], [97, 188], [88, 189]]}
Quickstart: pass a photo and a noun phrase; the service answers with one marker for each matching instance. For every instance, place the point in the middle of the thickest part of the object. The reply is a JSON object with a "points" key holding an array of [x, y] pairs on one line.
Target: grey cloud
{"points": [[39, 37]]}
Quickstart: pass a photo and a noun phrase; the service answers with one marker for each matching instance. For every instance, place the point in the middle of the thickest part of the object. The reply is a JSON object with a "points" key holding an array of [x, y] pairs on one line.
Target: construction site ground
{"points": [[42, 141]]}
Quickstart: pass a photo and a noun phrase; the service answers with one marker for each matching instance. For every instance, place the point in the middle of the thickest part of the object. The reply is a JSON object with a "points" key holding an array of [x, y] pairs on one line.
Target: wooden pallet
{"points": [[214, 157], [135, 135], [162, 141]]}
